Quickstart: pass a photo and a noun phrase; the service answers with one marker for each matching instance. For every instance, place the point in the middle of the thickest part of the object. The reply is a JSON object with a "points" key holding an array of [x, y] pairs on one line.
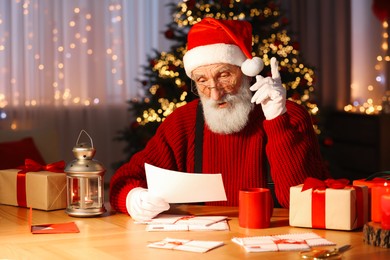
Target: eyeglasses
{"points": [[223, 78], [205, 89]]}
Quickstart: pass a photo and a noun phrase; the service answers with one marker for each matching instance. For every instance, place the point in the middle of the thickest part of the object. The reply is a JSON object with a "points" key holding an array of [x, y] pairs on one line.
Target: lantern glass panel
{"points": [[85, 192]]}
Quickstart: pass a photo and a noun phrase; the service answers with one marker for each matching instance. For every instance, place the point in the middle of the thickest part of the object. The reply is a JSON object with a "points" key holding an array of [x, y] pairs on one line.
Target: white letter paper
{"points": [[181, 187]]}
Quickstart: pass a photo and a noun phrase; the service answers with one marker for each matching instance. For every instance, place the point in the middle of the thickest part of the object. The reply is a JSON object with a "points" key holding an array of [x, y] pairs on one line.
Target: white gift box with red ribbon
{"points": [[340, 207]]}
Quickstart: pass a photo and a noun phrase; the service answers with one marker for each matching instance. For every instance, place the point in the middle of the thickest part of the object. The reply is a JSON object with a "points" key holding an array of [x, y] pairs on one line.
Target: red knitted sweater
{"points": [[288, 142]]}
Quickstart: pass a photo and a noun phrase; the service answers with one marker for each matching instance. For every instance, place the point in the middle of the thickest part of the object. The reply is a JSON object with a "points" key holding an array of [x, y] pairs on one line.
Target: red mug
{"points": [[255, 208]]}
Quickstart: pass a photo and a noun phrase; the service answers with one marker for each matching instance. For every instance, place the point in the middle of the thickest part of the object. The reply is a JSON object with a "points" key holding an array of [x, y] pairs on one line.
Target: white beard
{"points": [[235, 116]]}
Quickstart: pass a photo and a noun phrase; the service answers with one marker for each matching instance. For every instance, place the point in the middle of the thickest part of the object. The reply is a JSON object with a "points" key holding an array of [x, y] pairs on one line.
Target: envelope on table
{"points": [[198, 246], [68, 227], [171, 222], [45, 190], [54, 228]]}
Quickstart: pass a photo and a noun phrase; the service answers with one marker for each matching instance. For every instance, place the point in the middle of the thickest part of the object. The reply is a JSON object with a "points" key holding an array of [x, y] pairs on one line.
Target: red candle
{"points": [[385, 206], [376, 194]]}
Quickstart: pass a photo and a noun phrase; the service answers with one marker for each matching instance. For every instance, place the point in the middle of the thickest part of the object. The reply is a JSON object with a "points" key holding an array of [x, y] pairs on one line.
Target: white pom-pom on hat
{"points": [[252, 67]]}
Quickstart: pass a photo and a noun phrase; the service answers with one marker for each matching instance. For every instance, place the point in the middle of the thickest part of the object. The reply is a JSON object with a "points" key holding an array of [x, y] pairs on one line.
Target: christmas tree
{"points": [[167, 86]]}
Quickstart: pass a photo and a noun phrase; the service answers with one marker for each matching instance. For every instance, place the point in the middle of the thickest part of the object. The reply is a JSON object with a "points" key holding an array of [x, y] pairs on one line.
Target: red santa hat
{"points": [[221, 41]]}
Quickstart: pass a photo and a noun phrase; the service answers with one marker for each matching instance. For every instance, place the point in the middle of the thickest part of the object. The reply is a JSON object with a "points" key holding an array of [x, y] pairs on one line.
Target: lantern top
{"points": [[84, 151], [84, 164]]}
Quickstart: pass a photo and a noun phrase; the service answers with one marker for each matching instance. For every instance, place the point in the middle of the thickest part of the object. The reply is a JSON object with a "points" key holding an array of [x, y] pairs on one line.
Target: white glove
{"points": [[142, 206], [270, 93]]}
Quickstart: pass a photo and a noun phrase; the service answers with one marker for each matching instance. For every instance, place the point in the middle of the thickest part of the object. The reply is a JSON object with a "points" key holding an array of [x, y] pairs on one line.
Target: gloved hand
{"points": [[270, 93], [142, 206]]}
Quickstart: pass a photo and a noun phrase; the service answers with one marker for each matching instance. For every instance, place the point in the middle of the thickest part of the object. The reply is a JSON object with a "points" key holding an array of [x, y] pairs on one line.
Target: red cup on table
{"points": [[255, 208]]}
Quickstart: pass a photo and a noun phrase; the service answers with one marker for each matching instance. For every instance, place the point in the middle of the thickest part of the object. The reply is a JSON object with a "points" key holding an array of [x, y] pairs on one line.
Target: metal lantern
{"points": [[85, 182]]}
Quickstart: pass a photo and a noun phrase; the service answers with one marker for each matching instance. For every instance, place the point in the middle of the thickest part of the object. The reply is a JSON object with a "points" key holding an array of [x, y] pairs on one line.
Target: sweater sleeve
{"points": [[167, 149], [293, 151]]}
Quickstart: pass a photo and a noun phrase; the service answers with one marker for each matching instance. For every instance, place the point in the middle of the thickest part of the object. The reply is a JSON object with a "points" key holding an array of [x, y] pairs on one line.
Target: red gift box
{"points": [[377, 179], [370, 182]]}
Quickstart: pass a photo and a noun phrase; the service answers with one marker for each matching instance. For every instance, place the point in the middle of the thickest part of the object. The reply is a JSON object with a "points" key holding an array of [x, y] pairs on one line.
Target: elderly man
{"points": [[240, 132]]}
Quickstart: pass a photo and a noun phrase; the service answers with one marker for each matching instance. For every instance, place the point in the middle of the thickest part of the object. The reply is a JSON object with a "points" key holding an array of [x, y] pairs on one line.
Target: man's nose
{"points": [[215, 91]]}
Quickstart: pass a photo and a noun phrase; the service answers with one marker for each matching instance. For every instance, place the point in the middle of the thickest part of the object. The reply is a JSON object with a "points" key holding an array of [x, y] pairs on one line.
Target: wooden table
{"points": [[115, 236]]}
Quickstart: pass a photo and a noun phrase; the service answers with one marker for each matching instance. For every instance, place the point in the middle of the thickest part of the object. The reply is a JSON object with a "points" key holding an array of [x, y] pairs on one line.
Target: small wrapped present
{"points": [[378, 179], [34, 185], [330, 204]]}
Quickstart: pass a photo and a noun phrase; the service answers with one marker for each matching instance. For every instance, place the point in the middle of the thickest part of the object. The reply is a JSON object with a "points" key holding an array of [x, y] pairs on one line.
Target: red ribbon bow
{"points": [[32, 166], [316, 184]]}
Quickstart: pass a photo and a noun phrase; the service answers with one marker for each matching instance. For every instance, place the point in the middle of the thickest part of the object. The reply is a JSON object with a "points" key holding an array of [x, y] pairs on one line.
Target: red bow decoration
{"points": [[316, 184], [33, 166]]}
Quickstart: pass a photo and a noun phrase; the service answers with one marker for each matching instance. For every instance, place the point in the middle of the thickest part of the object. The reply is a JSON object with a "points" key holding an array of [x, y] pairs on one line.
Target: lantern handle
{"points": [[77, 142]]}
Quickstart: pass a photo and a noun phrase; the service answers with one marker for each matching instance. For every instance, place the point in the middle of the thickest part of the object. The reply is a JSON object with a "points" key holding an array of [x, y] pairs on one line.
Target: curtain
{"points": [[323, 30], [72, 65]]}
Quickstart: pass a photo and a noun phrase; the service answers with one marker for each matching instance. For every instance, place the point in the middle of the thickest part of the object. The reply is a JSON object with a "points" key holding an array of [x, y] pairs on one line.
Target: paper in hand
{"points": [[181, 187]]}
